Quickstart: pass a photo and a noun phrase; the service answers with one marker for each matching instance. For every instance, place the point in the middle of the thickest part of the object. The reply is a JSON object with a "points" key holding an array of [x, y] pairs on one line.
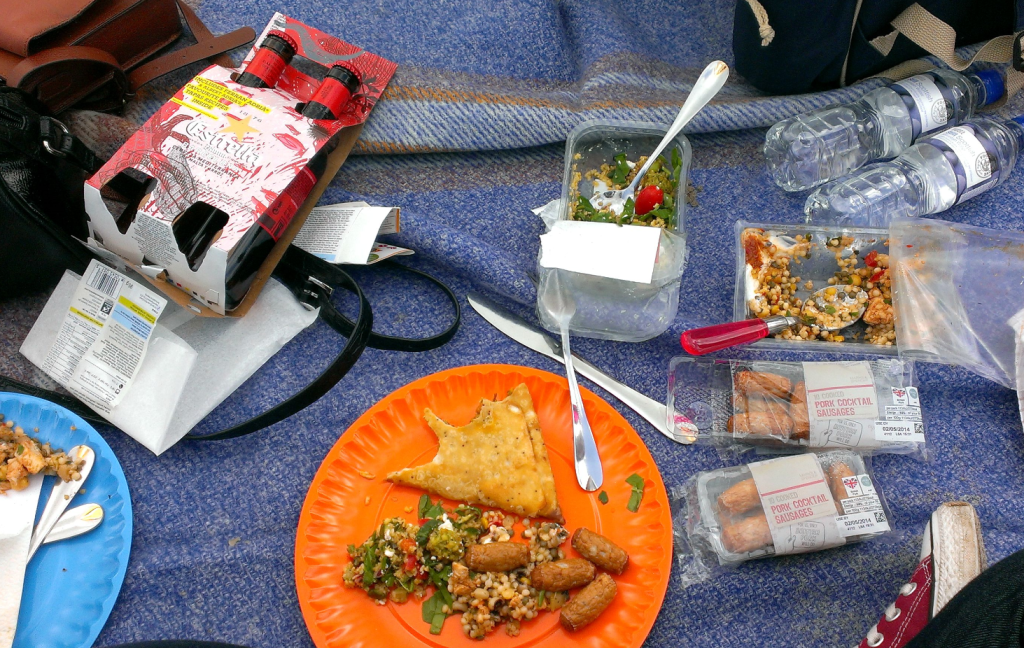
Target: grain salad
{"points": [[22, 456], [774, 285], [402, 559], [655, 203]]}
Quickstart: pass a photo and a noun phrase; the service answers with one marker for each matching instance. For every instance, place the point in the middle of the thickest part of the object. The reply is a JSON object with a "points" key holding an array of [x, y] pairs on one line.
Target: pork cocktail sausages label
{"points": [[840, 390], [793, 490]]}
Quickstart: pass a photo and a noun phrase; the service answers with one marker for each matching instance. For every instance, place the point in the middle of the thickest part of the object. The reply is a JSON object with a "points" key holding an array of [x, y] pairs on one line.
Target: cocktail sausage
{"points": [[600, 550], [591, 601]]}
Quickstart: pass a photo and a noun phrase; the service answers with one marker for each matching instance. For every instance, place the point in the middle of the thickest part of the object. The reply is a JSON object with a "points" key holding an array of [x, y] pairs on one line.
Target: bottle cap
{"points": [[993, 83], [288, 40], [348, 78]]}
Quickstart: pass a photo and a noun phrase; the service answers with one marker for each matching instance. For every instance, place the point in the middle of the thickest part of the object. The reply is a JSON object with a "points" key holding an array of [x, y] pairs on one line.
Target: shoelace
{"points": [[875, 638]]}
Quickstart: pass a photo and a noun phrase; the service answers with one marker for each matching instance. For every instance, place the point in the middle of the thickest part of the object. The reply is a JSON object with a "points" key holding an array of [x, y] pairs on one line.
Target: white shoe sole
{"points": [[957, 548]]}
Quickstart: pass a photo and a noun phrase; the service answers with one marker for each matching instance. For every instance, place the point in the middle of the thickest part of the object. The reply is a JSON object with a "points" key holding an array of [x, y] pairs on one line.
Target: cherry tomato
{"points": [[407, 545], [410, 563], [871, 260], [878, 275], [647, 199]]}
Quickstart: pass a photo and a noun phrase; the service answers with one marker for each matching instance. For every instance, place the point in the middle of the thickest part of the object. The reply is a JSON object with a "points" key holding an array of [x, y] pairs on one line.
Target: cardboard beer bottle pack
{"points": [[206, 196]]}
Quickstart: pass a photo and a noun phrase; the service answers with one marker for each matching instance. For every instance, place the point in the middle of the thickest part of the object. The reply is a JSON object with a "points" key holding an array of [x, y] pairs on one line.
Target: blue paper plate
{"points": [[71, 585]]}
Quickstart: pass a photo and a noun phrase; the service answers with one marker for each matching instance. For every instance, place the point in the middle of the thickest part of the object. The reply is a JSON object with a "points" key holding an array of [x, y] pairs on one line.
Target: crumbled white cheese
{"points": [[446, 524], [750, 283], [389, 552]]}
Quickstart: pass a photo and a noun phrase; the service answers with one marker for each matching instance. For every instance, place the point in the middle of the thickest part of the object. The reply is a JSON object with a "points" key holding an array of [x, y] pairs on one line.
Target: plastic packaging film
{"points": [[789, 505], [784, 407], [958, 293]]}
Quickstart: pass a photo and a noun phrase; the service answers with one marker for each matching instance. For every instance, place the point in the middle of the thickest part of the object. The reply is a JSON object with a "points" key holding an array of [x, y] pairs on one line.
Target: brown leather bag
{"points": [[93, 53]]}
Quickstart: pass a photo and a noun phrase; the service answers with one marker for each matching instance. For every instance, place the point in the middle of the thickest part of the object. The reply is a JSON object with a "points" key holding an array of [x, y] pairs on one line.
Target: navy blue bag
{"points": [[794, 46]]}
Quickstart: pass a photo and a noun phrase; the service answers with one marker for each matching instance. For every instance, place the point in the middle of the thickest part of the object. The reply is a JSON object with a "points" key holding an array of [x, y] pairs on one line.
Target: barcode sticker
{"points": [[862, 523], [105, 280], [104, 336]]}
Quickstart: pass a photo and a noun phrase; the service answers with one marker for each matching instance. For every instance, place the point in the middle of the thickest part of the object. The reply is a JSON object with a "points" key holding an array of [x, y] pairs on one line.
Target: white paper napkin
{"points": [[17, 513]]}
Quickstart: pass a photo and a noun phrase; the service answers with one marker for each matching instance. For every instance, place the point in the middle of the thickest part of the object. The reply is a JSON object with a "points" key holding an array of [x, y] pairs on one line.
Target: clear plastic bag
{"points": [[613, 309], [725, 517], [738, 405], [957, 293]]}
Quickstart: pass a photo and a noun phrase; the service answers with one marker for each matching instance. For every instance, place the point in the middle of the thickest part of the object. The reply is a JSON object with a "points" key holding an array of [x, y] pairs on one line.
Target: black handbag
{"points": [[42, 221]]}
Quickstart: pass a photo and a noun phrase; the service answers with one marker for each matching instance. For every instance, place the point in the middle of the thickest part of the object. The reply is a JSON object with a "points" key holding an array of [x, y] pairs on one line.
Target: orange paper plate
{"points": [[343, 507]]}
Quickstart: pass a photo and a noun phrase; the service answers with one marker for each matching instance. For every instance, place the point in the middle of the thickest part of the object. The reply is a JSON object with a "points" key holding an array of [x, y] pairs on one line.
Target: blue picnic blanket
{"points": [[468, 139]]}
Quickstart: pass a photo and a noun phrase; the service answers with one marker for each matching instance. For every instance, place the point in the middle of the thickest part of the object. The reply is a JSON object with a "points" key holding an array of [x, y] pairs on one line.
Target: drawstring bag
{"points": [[795, 46]]}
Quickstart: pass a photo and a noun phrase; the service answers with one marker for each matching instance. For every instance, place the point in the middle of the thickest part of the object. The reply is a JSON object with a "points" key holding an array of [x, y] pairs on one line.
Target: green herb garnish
{"points": [[831, 310], [433, 610], [677, 165], [636, 482], [603, 497], [370, 562], [20, 450], [887, 301], [542, 594], [621, 169], [428, 510], [424, 533], [585, 205]]}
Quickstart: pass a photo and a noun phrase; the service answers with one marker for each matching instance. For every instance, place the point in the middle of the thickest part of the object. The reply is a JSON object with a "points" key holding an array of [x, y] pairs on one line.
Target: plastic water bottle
{"points": [[931, 176], [804, 151]]}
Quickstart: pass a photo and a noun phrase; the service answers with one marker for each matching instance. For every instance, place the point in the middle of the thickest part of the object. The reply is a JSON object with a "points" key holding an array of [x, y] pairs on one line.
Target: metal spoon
{"points": [[722, 336], [74, 522], [707, 86], [61, 496], [589, 473]]}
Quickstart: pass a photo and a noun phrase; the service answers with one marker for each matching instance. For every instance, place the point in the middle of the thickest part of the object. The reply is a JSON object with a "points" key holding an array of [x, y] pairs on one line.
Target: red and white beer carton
{"points": [[206, 196]]}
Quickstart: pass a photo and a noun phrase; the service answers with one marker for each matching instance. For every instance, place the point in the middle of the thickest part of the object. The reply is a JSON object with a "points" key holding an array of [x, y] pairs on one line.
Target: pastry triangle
{"points": [[497, 459]]}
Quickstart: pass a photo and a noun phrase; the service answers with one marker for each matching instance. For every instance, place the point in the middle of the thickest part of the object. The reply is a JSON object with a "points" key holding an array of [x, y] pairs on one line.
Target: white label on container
{"points": [[900, 396], [861, 504], [803, 537], [791, 489], [839, 433], [973, 156], [900, 431], [899, 413], [843, 390], [862, 523], [628, 252], [104, 336], [929, 101]]}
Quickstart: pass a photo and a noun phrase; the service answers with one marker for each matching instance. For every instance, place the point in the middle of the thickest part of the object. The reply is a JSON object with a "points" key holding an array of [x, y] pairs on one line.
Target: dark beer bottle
{"points": [[265, 68], [334, 92]]}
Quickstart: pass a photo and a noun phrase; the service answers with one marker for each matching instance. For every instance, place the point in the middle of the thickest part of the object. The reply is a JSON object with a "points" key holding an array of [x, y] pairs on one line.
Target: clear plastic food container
{"points": [[812, 250], [739, 405], [614, 309], [725, 517]]}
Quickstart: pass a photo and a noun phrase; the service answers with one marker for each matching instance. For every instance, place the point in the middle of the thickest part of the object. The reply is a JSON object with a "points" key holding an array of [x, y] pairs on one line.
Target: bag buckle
{"points": [[52, 130], [325, 290]]}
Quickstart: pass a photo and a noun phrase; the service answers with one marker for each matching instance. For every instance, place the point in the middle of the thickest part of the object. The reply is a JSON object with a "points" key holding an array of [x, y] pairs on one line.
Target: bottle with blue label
{"points": [[810, 149], [941, 170]]}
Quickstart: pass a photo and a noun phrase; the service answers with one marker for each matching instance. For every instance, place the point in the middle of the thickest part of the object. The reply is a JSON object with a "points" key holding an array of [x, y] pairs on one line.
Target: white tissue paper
{"points": [[17, 513], [192, 363]]}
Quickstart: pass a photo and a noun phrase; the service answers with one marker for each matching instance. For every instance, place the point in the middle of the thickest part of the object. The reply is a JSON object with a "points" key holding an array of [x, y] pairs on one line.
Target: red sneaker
{"points": [[952, 554]]}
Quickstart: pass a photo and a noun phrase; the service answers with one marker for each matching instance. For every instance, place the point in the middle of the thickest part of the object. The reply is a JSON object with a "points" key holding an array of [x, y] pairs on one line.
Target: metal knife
{"points": [[534, 338]]}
